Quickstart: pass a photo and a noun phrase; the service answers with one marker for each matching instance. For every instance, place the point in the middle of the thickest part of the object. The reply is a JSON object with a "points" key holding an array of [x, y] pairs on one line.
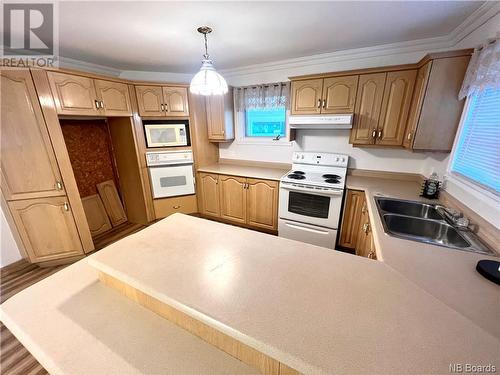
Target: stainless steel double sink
{"points": [[422, 222]]}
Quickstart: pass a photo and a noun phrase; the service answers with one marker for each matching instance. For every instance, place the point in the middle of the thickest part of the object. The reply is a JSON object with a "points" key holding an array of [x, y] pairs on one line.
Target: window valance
{"points": [[483, 71], [268, 96]]}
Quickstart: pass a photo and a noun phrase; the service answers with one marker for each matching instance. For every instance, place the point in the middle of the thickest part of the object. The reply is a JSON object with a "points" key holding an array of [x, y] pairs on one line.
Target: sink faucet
{"points": [[454, 217]]}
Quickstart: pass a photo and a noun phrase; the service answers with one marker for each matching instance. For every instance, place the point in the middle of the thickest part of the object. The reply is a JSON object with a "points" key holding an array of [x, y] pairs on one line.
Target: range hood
{"points": [[341, 121]]}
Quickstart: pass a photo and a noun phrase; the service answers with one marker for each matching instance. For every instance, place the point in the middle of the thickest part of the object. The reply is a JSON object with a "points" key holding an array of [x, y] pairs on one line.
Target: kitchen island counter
{"points": [[313, 309]]}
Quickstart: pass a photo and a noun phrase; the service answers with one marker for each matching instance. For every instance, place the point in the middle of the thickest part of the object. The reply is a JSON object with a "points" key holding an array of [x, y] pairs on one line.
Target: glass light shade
{"points": [[207, 81]]}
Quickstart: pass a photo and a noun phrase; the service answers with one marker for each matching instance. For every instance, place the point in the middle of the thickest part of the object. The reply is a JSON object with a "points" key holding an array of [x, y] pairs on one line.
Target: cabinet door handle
{"points": [[96, 104], [379, 134], [374, 133], [59, 185], [409, 136], [363, 209], [162, 107], [176, 207], [324, 103], [319, 103], [166, 107], [66, 206], [102, 104]]}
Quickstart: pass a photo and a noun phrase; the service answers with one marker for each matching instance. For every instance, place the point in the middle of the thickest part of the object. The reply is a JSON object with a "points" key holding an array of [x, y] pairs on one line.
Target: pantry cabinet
{"points": [[220, 117], [329, 95], [29, 166], [247, 201], [38, 220], [162, 101], [85, 96]]}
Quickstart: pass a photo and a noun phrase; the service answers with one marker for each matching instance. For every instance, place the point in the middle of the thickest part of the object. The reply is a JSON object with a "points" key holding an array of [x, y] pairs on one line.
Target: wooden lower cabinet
{"points": [[209, 192], [354, 203], [46, 228], [262, 203], [247, 201], [233, 198], [356, 232]]}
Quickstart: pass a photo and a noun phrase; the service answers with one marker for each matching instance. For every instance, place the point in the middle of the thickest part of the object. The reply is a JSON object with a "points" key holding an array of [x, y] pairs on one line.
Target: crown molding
{"points": [[66, 62], [442, 43], [427, 45]]}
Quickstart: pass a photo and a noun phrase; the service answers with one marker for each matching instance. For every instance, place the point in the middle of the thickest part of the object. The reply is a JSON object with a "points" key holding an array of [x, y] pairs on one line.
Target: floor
{"points": [[14, 357]]}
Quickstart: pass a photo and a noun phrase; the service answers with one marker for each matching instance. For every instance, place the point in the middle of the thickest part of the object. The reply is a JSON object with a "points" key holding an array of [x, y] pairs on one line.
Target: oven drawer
{"points": [[307, 233], [168, 206]]}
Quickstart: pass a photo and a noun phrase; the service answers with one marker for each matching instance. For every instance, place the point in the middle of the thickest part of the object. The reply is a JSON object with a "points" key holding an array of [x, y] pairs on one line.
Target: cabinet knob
{"points": [[176, 207], [66, 206], [59, 185], [409, 136], [374, 133], [379, 134]]}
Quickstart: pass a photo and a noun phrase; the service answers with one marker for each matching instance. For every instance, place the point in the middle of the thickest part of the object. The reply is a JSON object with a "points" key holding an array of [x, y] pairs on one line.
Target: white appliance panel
{"points": [[307, 233]]}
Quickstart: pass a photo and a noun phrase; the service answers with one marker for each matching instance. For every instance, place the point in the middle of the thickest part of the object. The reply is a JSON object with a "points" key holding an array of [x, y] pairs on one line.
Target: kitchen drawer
{"points": [[167, 206]]}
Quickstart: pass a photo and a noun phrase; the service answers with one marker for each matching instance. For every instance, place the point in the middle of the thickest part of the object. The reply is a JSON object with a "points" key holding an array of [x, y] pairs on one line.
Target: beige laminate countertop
{"points": [[314, 309], [266, 173], [73, 324], [449, 275]]}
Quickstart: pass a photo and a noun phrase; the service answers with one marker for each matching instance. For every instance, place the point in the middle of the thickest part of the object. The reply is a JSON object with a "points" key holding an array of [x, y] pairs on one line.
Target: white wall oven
{"points": [[166, 133], [171, 173]]}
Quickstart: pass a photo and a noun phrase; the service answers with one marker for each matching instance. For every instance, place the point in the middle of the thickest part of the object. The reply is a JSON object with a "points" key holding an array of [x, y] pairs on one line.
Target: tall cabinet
{"points": [[33, 192]]}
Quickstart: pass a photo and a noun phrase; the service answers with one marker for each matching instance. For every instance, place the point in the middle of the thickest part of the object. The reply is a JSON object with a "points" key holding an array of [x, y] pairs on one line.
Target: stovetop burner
{"points": [[295, 176], [298, 172], [332, 180], [329, 176]]}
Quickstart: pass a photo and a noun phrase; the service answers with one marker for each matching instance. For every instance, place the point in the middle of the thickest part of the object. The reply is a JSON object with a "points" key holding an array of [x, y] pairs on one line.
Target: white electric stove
{"points": [[311, 198]]}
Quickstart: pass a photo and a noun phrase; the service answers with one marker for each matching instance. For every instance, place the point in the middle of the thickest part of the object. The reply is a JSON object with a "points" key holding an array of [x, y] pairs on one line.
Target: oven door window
{"points": [[308, 204], [171, 181]]}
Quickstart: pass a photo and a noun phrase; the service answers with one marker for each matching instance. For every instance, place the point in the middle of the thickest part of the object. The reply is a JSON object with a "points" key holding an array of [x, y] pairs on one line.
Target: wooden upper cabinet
{"points": [[175, 101], [416, 104], [306, 97], [220, 117], [29, 166], [439, 110], [339, 94], [150, 100], [73, 95], [233, 205], [367, 109], [39, 220], [355, 206], [262, 203], [170, 101], [395, 106], [209, 189], [114, 96]]}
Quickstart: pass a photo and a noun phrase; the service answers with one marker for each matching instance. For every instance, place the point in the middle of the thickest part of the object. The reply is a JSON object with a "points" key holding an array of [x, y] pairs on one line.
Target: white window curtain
{"points": [[483, 71], [273, 95]]}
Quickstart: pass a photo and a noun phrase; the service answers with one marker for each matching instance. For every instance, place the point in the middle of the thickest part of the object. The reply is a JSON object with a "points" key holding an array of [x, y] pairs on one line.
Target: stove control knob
{"points": [[337, 159]]}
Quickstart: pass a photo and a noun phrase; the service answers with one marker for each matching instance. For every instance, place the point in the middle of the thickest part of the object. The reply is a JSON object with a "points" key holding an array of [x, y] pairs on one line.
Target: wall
{"points": [[9, 252]]}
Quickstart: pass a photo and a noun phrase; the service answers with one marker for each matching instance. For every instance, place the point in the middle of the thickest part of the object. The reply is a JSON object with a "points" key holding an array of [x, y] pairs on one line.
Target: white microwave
{"points": [[166, 134]]}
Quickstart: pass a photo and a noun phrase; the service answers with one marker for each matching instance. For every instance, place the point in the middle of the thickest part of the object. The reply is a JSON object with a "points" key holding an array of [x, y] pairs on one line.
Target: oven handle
{"points": [[312, 191], [307, 229]]}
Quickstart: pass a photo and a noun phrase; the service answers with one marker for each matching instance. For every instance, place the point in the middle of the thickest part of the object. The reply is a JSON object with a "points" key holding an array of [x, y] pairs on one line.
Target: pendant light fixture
{"points": [[207, 81]]}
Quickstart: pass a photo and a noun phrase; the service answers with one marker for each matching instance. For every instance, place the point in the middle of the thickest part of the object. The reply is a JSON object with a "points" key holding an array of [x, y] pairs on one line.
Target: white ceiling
{"points": [[161, 36]]}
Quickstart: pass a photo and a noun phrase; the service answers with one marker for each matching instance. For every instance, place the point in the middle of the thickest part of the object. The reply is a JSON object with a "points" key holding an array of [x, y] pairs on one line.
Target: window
{"points": [[477, 151], [265, 122]]}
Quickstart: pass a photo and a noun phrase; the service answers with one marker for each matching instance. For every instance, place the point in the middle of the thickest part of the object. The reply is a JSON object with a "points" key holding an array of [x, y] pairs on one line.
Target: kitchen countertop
{"points": [[266, 173], [449, 275], [73, 324], [314, 309]]}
